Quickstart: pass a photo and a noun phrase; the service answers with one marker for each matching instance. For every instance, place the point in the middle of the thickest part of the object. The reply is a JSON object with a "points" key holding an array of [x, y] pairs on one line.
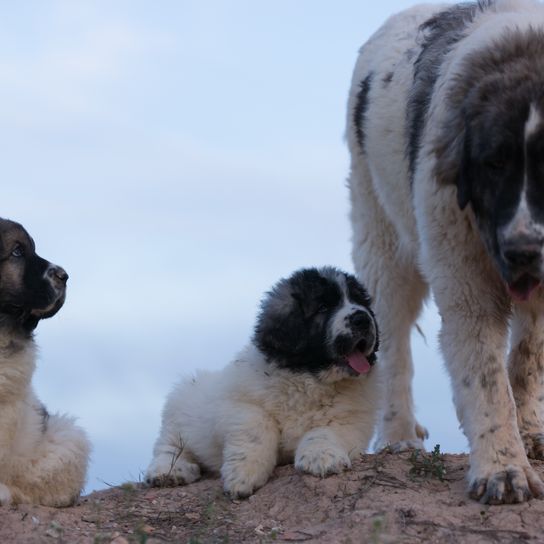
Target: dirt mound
{"points": [[385, 498]]}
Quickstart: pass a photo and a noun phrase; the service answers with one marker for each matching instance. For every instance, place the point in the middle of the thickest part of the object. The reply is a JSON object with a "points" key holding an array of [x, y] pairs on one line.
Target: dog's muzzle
{"points": [[522, 258], [57, 276], [356, 349]]}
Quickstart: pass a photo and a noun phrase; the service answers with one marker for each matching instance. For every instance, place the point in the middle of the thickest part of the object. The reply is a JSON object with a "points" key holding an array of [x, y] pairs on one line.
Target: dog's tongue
{"points": [[358, 362], [522, 288]]}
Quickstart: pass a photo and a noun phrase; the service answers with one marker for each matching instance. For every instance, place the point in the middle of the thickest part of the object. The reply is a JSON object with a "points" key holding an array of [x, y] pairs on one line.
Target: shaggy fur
{"points": [[295, 393], [447, 193], [43, 458]]}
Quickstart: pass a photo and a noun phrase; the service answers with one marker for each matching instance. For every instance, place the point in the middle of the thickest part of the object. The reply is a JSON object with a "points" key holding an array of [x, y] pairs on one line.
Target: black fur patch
{"points": [[292, 328], [441, 32], [359, 112]]}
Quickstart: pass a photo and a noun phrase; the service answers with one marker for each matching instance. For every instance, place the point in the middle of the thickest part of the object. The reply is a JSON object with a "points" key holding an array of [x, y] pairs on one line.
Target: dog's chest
{"points": [[16, 369], [301, 404]]}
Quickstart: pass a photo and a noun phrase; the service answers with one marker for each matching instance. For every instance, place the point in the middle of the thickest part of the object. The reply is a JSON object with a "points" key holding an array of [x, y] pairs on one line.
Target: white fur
{"points": [[245, 419], [42, 465], [405, 242]]}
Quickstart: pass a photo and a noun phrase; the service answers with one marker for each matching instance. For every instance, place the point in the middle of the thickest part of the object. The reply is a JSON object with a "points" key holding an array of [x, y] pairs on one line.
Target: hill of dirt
{"points": [[384, 499]]}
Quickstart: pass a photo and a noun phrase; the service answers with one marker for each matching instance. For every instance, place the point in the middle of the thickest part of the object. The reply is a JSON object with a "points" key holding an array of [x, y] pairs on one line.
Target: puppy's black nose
{"points": [[58, 274], [359, 320], [524, 254]]}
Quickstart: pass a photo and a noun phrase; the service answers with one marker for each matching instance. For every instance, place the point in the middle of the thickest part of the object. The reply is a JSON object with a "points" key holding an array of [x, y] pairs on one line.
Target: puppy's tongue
{"points": [[522, 288], [358, 362]]}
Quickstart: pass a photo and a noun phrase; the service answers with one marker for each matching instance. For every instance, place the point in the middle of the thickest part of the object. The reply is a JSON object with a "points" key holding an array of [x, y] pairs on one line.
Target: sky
{"points": [[177, 158]]}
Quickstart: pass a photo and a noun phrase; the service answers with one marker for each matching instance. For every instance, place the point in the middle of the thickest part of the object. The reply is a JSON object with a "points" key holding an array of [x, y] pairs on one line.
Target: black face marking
{"points": [[359, 111], [30, 287], [295, 326], [441, 32]]}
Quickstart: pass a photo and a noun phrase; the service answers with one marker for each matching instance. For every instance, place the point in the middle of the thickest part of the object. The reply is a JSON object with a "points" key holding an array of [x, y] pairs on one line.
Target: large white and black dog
{"points": [[43, 457], [446, 132], [303, 389]]}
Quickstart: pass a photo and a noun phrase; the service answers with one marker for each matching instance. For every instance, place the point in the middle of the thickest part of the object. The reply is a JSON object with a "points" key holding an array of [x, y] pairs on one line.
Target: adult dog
{"points": [[43, 457], [446, 132], [303, 389]]}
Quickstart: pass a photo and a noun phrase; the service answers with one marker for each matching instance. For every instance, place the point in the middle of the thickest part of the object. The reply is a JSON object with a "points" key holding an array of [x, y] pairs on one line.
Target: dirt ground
{"points": [[384, 499]]}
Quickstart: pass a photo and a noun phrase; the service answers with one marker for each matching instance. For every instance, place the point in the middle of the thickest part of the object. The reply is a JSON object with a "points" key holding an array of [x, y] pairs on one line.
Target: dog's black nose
{"points": [[359, 320], [522, 254], [58, 274]]}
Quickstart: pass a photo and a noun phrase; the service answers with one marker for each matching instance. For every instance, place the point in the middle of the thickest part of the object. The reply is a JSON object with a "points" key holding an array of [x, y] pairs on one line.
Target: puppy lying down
{"points": [[302, 390], [43, 458]]}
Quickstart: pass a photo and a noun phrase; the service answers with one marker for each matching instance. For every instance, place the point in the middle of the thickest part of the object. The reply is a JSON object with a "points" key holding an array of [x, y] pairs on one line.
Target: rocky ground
{"points": [[384, 499]]}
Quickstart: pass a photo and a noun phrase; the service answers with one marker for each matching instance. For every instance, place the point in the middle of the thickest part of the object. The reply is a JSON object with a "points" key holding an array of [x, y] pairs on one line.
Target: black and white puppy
{"points": [[43, 457], [302, 390]]}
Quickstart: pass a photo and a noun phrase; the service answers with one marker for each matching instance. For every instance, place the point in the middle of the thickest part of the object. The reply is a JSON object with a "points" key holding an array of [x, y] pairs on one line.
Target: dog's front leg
{"points": [[8, 428], [250, 452], [474, 344], [526, 370]]}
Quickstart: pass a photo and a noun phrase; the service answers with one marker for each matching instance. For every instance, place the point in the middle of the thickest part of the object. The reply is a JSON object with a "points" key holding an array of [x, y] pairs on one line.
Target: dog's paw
{"points": [[534, 445], [402, 446], [513, 484], [5, 495], [399, 438], [239, 487], [167, 471], [240, 480], [321, 461]]}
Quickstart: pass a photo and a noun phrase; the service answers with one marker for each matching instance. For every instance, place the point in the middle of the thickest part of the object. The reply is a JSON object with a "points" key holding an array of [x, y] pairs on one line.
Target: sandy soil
{"points": [[384, 499]]}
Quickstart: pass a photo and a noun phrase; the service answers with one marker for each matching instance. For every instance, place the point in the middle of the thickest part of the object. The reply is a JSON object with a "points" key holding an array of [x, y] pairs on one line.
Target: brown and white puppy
{"points": [[446, 132], [43, 457]]}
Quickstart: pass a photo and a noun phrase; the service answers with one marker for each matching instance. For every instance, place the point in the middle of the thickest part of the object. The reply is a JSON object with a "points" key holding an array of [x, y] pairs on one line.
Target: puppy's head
{"points": [[318, 321], [31, 288]]}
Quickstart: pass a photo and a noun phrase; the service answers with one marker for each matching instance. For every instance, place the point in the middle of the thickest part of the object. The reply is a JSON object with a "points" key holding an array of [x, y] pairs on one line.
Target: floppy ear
{"points": [[277, 332], [306, 304]]}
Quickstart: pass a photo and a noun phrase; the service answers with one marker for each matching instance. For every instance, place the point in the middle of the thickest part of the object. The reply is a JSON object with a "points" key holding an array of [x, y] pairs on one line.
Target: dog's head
{"points": [[492, 149], [31, 288], [318, 321]]}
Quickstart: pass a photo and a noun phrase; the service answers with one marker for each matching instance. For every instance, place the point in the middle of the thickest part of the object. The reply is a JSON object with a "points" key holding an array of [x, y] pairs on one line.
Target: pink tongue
{"points": [[358, 362], [523, 287]]}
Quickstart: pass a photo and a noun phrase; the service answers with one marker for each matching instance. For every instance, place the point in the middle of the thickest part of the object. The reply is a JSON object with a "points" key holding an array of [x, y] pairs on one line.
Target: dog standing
{"points": [[446, 133], [303, 390], [43, 457]]}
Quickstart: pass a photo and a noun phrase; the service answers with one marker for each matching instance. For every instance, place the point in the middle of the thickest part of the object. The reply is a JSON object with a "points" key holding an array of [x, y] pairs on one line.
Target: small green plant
{"points": [[141, 535], [378, 526], [428, 464]]}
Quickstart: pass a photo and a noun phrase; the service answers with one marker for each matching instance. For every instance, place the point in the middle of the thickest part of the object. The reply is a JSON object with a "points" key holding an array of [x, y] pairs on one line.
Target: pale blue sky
{"points": [[177, 158]]}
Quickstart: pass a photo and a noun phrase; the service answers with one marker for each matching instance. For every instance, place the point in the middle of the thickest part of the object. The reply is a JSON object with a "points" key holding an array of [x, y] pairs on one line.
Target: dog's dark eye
{"points": [[18, 251], [322, 308]]}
